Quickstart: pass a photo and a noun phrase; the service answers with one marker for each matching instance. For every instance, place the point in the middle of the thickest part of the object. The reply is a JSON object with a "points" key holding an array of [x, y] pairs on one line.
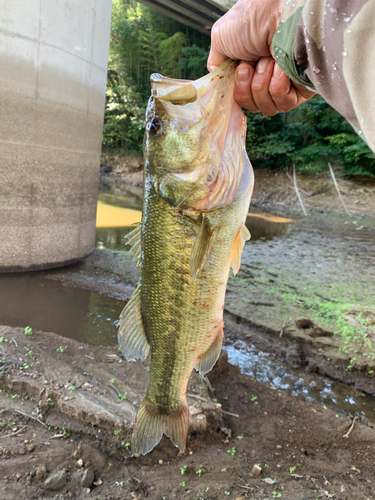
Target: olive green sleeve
{"points": [[283, 48]]}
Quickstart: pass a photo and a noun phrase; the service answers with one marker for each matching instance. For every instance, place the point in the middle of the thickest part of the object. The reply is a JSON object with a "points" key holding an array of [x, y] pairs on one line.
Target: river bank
{"points": [[272, 190], [302, 303], [66, 416]]}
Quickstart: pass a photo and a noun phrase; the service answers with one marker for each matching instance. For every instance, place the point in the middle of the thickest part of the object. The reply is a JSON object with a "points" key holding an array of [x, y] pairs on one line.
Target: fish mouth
{"points": [[207, 106], [181, 92]]}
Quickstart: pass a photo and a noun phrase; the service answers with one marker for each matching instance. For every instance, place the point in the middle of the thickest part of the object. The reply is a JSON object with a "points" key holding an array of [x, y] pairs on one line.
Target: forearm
{"points": [[331, 49]]}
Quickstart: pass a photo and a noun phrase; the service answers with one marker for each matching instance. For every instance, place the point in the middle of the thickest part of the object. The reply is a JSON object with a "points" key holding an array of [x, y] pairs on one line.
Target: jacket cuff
{"points": [[283, 45]]}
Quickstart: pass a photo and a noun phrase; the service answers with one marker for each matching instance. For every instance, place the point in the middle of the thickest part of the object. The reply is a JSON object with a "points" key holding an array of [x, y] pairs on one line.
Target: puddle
{"points": [[28, 299], [116, 215], [267, 369]]}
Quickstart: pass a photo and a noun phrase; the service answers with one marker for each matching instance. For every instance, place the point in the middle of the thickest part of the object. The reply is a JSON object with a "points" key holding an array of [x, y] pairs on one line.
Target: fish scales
{"points": [[185, 247]]}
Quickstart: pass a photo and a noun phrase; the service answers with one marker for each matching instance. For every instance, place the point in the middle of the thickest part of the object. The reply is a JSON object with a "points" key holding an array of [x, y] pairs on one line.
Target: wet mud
{"points": [[66, 413]]}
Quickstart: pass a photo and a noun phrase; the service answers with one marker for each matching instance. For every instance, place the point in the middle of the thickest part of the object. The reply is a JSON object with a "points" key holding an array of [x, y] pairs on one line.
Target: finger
{"points": [[260, 87], [216, 57], [283, 92], [242, 89]]}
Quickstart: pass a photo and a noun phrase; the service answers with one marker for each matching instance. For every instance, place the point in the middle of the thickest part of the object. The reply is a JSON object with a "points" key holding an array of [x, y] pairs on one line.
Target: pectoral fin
{"points": [[202, 248], [239, 241], [131, 336], [134, 240]]}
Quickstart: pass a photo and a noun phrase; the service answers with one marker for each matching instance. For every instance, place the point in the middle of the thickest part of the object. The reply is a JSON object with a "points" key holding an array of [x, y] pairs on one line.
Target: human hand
{"points": [[267, 89], [245, 33]]}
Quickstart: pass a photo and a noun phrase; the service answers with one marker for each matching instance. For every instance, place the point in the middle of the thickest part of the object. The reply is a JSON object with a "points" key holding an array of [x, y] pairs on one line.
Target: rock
{"points": [[79, 462], [40, 472], [87, 478], [96, 457], [4, 452], [31, 447], [198, 423], [256, 471], [56, 480], [22, 450], [279, 447]]}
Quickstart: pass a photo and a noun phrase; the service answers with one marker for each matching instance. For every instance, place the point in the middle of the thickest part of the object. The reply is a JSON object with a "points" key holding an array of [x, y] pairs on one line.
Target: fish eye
{"points": [[154, 125]]}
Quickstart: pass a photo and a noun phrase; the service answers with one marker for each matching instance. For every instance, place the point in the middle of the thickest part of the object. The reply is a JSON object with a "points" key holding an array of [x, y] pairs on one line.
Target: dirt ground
{"points": [[65, 426], [67, 409], [272, 190]]}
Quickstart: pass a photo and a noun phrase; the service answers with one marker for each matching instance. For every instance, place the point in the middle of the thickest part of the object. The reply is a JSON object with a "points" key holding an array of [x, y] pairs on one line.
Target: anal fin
{"points": [[242, 235], [207, 360], [131, 336], [202, 248], [151, 425]]}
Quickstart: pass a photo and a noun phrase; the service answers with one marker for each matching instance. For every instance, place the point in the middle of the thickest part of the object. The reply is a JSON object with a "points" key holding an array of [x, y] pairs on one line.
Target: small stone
{"points": [[256, 471], [26, 441], [179, 454], [87, 479], [18, 476], [77, 454], [279, 447], [161, 462], [22, 450], [79, 462], [98, 482], [240, 498], [87, 464], [40, 472], [56, 480], [31, 447], [190, 452]]}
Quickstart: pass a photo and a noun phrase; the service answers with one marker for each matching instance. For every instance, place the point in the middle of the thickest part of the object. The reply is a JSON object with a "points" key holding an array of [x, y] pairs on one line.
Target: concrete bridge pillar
{"points": [[53, 60]]}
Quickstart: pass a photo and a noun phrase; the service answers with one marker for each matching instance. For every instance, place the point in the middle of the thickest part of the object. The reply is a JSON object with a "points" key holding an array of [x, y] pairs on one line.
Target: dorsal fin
{"points": [[131, 336], [202, 247], [242, 235]]}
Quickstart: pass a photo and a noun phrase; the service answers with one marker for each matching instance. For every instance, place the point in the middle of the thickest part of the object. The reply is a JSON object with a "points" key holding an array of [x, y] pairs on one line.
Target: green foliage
{"points": [[194, 61], [311, 135], [28, 330], [144, 41]]}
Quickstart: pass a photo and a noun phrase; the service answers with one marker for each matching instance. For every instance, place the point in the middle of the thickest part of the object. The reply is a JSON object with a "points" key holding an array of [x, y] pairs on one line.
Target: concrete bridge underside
{"points": [[198, 14]]}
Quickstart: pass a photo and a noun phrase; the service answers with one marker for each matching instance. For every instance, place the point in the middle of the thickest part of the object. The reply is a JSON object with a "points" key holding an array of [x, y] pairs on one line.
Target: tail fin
{"points": [[151, 425]]}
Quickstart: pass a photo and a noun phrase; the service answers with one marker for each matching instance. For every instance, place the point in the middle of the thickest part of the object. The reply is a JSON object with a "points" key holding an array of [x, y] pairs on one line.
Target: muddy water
{"points": [[321, 247], [116, 215], [28, 299], [268, 369]]}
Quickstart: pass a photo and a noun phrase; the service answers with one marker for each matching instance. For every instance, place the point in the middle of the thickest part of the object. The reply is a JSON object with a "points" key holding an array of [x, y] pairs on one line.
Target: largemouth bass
{"points": [[197, 187]]}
